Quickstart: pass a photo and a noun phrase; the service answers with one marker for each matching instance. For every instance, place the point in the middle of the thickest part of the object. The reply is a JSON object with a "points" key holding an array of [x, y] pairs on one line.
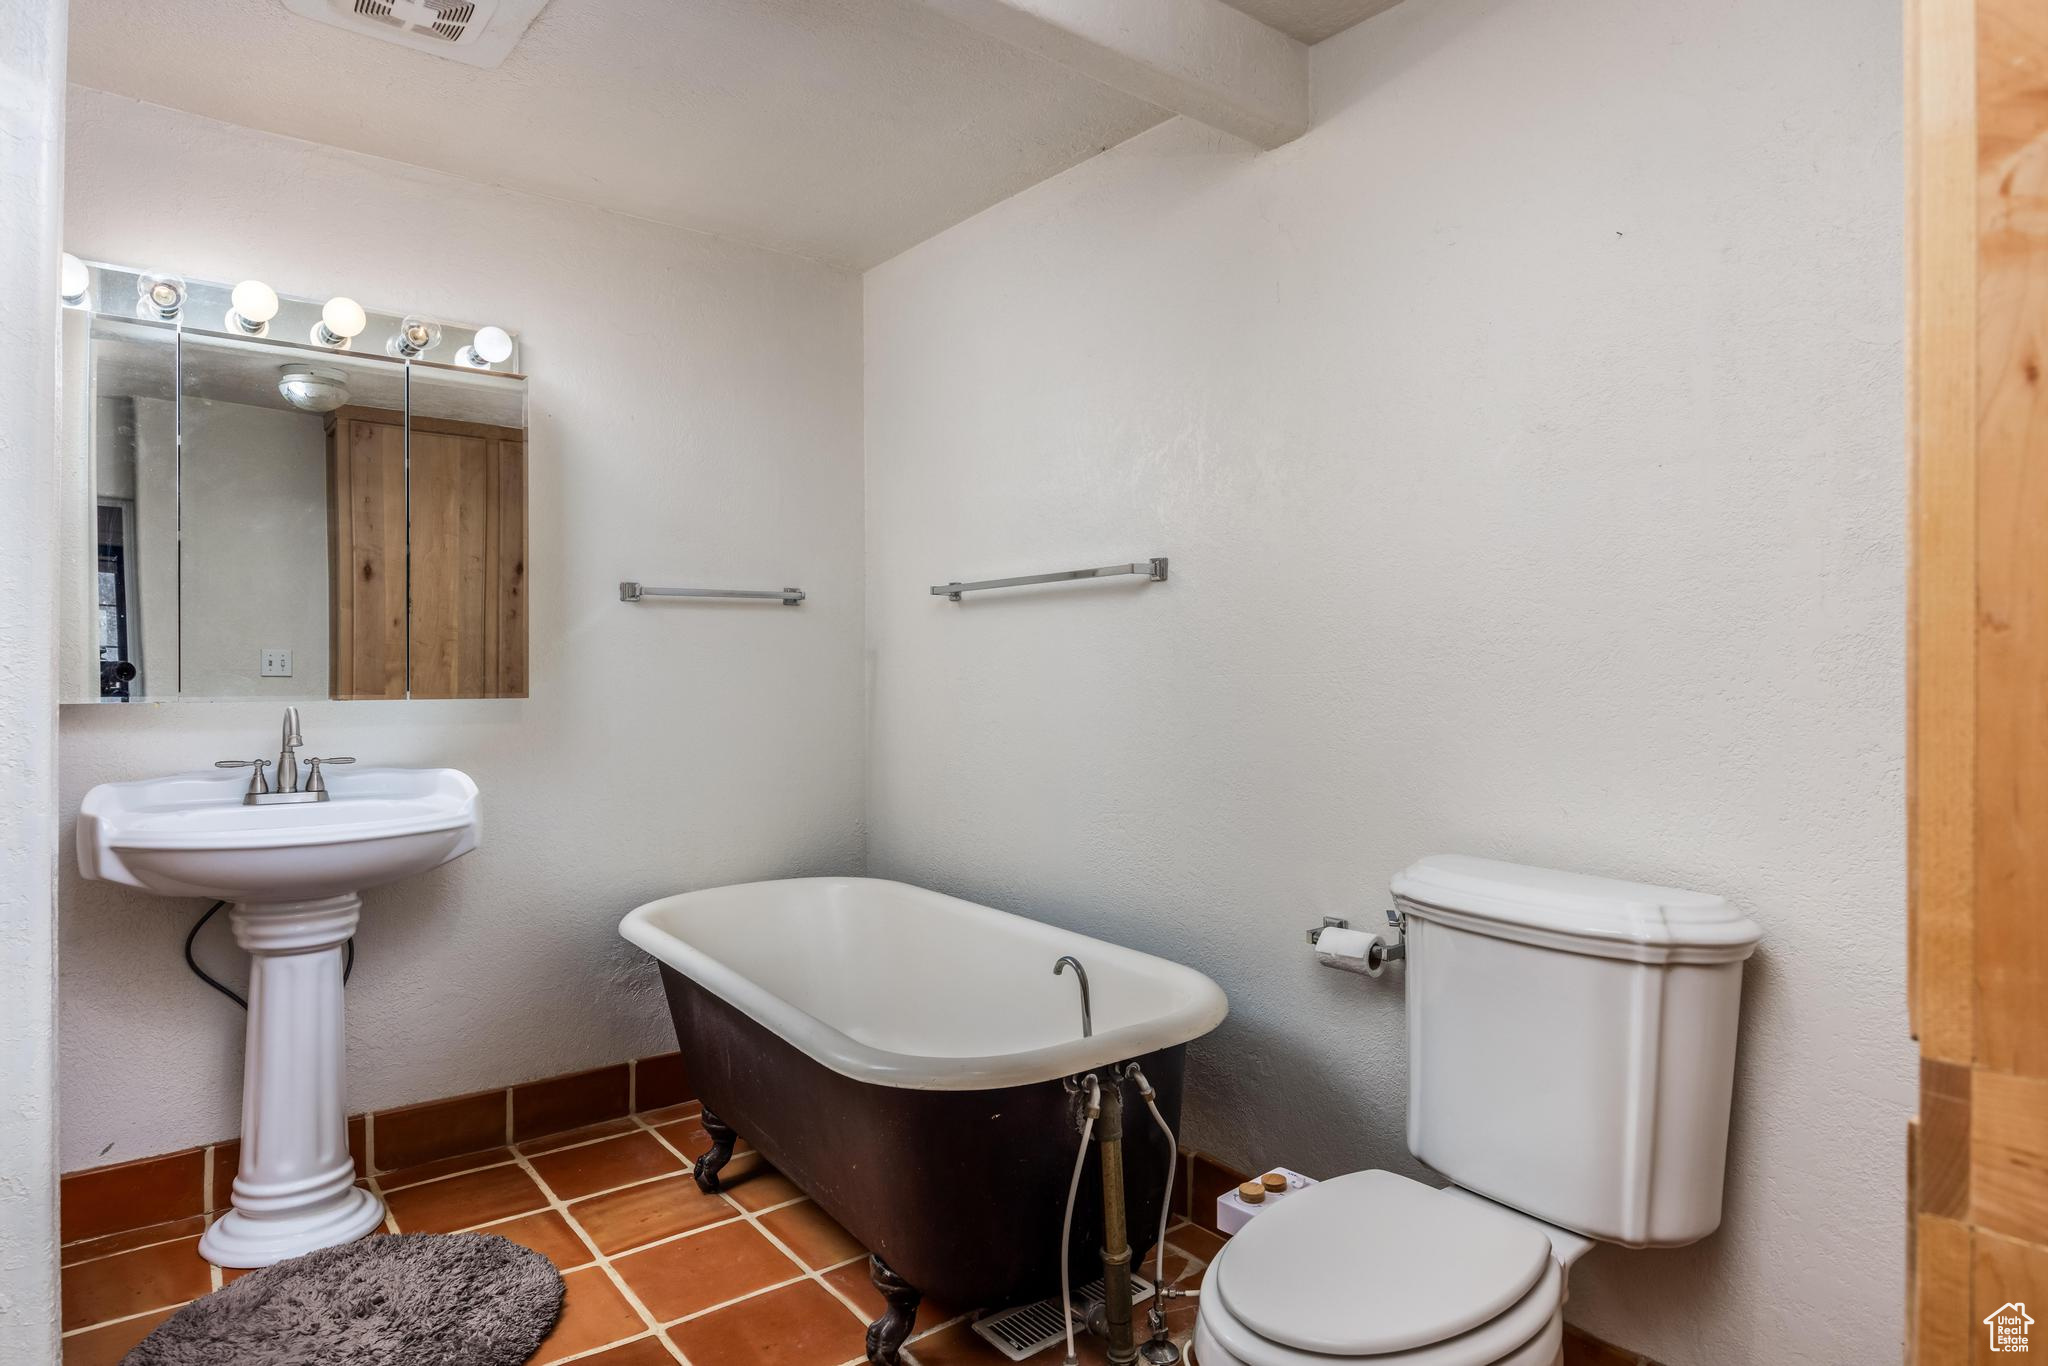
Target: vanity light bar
{"points": [[253, 309]]}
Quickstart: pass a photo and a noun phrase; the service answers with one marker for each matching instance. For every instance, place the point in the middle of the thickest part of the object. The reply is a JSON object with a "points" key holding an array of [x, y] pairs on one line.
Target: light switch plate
{"points": [[277, 664]]}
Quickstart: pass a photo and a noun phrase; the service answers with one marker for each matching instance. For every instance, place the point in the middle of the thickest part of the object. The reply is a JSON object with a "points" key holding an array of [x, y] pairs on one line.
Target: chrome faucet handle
{"points": [[314, 782], [258, 785]]}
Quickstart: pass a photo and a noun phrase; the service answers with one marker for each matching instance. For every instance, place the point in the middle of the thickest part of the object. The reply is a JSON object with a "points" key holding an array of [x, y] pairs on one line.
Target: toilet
{"points": [[1571, 1051]]}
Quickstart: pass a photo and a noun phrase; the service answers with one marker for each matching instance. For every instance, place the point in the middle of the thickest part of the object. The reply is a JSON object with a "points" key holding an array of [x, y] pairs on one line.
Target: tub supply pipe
{"points": [[1116, 1239], [1160, 1351], [1094, 1112]]}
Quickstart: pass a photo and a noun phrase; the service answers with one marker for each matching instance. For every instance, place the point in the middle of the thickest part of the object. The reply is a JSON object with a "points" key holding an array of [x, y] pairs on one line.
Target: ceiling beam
{"points": [[1201, 58]]}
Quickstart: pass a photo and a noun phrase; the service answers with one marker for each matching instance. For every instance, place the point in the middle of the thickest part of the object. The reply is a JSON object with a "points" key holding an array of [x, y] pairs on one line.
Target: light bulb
{"points": [[414, 336], [252, 306], [159, 296], [491, 345], [340, 320], [74, 280]]}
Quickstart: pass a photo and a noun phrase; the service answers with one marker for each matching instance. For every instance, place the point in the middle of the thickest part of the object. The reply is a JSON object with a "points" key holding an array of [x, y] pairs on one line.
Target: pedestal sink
{"points": [[293, 873]]}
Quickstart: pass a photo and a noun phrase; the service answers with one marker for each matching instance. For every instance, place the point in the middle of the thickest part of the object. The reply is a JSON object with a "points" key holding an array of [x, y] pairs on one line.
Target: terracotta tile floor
{"points": [[657, 1272]]}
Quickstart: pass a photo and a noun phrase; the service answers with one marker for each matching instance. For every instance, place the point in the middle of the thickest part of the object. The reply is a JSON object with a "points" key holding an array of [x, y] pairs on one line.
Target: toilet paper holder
{"points": [[1392, 953]]}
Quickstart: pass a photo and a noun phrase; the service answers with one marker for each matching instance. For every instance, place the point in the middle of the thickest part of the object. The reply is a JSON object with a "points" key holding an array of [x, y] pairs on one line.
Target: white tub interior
{"points": [[907, 987]]}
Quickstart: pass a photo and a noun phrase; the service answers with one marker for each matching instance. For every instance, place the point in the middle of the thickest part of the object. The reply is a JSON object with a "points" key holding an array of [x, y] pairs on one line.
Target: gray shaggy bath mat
{"points": [[452, 1299]]}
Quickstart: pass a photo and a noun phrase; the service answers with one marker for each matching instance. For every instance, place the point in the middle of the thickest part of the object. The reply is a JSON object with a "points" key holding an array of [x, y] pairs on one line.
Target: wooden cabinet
{"points": [[427, 556]]}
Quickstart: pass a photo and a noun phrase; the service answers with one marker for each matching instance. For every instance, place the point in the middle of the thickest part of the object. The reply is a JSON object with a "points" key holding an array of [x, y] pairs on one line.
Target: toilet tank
{"points": [[1571, 1043]]}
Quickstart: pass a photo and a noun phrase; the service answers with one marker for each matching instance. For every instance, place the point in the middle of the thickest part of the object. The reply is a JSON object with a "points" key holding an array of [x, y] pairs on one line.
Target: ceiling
{"points": [[843, 130], [1311, 21]]}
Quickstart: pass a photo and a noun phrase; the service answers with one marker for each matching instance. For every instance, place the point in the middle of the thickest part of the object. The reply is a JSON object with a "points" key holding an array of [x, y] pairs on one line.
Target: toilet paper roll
{"points": [[1350, 950]]}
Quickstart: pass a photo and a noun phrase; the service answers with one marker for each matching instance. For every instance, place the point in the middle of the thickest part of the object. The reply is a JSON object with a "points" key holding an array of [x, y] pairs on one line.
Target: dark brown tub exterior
{"points": [[960, 1193]]}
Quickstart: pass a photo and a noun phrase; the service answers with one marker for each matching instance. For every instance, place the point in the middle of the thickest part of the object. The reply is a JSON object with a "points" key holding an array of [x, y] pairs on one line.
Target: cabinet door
{"points": [[451, 591], [468, 631], [366, 554], [505, 563]]}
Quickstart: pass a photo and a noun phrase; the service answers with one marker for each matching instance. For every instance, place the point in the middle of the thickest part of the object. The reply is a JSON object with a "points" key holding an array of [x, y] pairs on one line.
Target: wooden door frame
{"points": [[1977, 131]]}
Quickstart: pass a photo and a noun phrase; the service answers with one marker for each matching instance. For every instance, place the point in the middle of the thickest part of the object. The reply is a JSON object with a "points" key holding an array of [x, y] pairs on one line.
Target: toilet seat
{"points": [[1373, 1267], [1216, 1346]]}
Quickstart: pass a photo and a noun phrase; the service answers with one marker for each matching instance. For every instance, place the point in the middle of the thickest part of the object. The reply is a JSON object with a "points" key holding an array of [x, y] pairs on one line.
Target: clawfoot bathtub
{"points": [[904, 1057]]}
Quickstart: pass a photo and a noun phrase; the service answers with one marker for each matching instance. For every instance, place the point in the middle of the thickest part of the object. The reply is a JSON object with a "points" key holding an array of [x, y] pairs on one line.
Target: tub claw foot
{"points": [[886, 1334], [711, 1163]]}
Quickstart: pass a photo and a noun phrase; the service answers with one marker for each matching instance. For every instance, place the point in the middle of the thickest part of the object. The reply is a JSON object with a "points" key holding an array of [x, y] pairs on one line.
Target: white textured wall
{"points": [[1527, 443], [695, 418], [253, 566], [31, 180]]}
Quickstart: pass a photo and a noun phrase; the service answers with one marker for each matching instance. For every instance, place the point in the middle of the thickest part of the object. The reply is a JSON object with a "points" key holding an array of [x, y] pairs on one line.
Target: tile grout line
{"points": [[590, 1352], [377, 1189], [762, 1229], [708, 1310], [830, 1289], [139, 1247], [603, 1260], [815, 1277], [203, 1151], [561, 1207], [125, 1318], [215, 1274], [206, 1198], [689, 1166], [740, 1215], [515, 1148]]}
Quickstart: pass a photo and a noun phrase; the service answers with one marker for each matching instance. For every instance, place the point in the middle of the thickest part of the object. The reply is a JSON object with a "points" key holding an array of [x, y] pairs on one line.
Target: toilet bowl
{"points": [[1381, 1270]]}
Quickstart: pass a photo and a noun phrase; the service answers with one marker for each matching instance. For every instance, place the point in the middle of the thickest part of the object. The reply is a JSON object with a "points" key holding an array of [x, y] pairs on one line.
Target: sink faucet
{"points": [[288, 752], [261, 793]]}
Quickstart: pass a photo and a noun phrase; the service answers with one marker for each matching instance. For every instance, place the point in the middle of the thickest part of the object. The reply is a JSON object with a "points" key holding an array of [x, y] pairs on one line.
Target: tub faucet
{"points": [[1087, 1015]]}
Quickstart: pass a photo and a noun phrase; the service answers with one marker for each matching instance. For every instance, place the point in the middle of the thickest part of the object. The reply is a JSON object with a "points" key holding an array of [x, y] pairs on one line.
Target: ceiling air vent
{"points": [[479, 32]]}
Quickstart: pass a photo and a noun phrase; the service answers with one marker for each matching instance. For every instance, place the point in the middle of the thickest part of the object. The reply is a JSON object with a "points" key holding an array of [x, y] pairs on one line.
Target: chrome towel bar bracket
{"points": [[635, 592], [1153, 569]]}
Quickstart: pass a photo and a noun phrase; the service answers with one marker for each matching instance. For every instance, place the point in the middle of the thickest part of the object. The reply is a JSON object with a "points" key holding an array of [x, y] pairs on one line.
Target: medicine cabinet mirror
{"points": [[268, 516]]}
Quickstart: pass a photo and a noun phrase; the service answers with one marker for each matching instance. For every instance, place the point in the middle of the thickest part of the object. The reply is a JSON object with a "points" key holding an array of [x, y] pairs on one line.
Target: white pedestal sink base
{"points": [[296, 1191], [240, 1240], [294, 871]]}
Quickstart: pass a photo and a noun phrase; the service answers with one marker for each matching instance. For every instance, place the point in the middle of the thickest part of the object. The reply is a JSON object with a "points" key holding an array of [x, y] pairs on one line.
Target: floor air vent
{"points": [[1031, 1328], [479, 32]]}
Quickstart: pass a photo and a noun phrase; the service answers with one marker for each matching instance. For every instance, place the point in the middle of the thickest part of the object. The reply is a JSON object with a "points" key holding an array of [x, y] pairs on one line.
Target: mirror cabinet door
{"points": [[122, 439], [256, 509], [466, 439], [366, 551]]}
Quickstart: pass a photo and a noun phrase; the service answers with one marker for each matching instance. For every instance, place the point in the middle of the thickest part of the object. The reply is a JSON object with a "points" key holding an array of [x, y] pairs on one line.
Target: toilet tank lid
{"points": [[1578, 912]]}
